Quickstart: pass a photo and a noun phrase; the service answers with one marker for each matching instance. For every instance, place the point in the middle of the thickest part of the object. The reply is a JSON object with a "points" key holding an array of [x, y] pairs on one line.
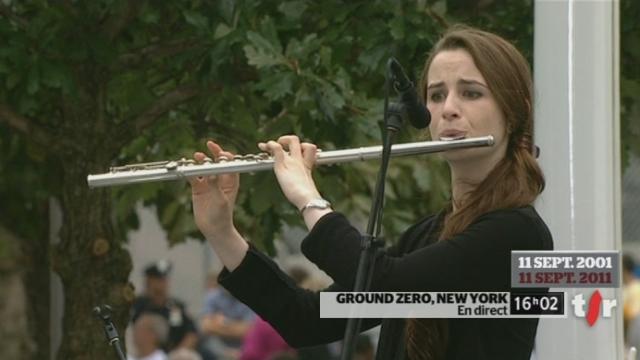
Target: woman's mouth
{"points": [[452, 135]]}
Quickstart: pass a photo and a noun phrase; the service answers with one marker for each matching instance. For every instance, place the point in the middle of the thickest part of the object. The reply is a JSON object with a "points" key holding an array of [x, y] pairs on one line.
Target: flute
{"points": [[184, 168]]}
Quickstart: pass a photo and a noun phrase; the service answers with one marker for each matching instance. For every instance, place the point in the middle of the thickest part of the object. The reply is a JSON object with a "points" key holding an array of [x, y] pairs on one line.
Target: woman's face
{"points": [[462, 106]]}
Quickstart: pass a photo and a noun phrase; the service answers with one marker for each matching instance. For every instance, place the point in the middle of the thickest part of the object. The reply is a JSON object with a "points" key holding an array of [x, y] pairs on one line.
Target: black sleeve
{"points": [[294, 312], [477, 259]]}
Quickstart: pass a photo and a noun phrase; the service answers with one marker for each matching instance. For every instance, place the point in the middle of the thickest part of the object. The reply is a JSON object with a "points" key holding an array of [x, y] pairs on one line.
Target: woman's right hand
{"points": [[214, 197]]}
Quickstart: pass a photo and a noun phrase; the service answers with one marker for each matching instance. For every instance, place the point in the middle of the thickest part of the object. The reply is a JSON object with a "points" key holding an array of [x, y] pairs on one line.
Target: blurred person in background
{"points": [[263, 341], [156, 300], [150, 331], [184, 354], [630, 302], [225, 321]]}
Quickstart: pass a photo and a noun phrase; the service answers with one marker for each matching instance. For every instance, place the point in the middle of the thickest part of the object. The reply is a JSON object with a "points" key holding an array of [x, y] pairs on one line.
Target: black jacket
{"points": [[478, 259]]}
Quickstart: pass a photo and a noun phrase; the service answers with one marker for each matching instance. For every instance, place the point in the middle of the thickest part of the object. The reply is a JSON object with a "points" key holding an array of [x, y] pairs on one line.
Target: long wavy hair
{"points": [[515, 181]]}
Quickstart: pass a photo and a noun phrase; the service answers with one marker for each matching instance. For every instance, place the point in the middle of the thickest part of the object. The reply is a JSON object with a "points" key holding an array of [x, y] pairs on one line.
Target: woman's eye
{"points": [[436, 97], [471, 94]]}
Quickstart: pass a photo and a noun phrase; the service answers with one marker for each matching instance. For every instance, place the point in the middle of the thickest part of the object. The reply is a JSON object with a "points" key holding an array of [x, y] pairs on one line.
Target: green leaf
{"points": [[196, 19], [293, 9], [629, 87], [33, 80], [440, 7], [263, 44], [170, 212], [397, 28], [303, 49], [269, 32], [371, 58], [260, 200], [55, 75], [276, 86], [325, 56], [227, 8], [330, 98], [260, 59], [149, 14], [262, 53], [12, 80], [343, 81], [222, 30]]}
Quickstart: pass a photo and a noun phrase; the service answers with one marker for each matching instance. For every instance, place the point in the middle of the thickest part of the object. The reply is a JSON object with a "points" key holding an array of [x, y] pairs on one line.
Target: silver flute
{"points": [[185, 168]]}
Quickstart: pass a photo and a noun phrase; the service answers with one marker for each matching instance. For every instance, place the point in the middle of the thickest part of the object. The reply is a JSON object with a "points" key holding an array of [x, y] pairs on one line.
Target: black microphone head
{"points": [[417, 112]]}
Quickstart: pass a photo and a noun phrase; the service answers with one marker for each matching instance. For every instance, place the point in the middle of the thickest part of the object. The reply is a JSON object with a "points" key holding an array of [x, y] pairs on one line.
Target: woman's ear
{"points": [[528, 106]]}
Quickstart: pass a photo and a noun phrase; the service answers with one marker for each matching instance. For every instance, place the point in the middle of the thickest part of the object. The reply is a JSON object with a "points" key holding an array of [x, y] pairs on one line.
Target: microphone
{"points": [[418, 114], [103, 312]]}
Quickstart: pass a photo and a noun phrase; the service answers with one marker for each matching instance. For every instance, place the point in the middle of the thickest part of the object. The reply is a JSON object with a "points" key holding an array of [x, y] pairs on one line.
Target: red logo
{"points": [[595, 302]]}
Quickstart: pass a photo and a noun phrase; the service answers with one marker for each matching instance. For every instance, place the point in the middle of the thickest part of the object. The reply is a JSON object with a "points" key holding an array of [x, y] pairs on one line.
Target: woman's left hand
{"points": [[293, 169]]}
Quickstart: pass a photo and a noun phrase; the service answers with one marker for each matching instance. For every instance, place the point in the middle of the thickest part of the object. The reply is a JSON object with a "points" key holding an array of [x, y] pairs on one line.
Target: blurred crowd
{"points": [[631, 301], [162, 329]]}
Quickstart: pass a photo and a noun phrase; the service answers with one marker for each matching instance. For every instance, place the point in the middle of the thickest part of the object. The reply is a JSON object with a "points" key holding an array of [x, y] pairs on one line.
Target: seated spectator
{"points": [[630, 302], [150, 331], [184, 354], [156, 299], [262, 341], [225, 323]]}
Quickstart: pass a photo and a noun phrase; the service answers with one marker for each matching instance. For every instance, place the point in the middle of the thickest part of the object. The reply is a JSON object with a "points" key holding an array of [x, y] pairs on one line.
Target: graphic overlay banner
{"points": [[569, 269], [442, 305]]}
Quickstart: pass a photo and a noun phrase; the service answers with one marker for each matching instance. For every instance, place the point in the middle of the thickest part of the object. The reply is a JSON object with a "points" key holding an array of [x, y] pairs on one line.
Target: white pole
{"points": [[577, 128]]}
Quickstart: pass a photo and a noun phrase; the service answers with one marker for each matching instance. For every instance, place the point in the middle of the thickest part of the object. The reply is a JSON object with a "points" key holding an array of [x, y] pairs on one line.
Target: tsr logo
{"points": [[594, 307]]}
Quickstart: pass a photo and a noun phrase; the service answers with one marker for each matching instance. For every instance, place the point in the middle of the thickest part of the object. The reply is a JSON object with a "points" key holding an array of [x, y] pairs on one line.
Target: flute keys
{"points": [[173, 164], [248, 157]]}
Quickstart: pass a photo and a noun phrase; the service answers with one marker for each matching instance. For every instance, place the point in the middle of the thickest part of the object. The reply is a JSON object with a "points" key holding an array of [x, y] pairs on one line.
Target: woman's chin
{"points": [[463, 155]]}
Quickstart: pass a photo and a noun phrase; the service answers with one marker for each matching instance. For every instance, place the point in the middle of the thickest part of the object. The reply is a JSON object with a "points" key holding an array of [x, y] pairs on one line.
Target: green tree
{"points": [[85, 85], [629, 80]]}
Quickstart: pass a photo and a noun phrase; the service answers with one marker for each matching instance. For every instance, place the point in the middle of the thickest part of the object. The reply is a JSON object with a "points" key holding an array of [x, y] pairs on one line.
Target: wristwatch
{"points": [[316, 204]]}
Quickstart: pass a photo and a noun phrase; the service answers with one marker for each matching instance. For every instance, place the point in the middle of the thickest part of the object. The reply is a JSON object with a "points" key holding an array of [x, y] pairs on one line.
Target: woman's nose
{"points": [[450, 108]]}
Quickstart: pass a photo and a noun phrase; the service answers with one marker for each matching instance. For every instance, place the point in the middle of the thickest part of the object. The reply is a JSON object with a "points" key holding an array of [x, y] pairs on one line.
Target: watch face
{"points": [[317, 204], [320, 203]]}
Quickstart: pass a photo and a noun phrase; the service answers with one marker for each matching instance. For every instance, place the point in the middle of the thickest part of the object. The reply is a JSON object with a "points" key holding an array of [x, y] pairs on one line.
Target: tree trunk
{"points": [[92, 264]]}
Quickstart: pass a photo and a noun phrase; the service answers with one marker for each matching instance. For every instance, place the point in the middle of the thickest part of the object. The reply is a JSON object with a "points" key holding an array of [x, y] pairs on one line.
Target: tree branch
{"points": [[162, 105], [23, 124], [36, 132], [152, 51], [6, 11], [437, 17]]}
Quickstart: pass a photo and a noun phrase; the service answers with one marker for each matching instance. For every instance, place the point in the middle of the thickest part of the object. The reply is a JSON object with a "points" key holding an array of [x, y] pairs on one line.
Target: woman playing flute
{"points": [[474, 83]]}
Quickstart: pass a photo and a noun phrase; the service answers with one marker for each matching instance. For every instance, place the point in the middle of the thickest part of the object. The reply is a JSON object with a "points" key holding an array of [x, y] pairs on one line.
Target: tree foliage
{"points": [[629, 80]]}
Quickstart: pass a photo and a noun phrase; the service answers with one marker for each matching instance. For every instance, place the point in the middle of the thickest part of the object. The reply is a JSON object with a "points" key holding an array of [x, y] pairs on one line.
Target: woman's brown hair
{"points": [[515, 181]]}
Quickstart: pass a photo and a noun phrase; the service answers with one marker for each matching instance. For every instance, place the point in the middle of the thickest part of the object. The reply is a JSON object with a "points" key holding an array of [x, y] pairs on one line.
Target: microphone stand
{"points": [[394, 114], [103, 312]]}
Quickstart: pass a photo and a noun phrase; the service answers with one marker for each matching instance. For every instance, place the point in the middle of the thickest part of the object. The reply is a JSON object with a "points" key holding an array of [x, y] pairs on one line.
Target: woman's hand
{"points": [[214, 197], [293, 170]]}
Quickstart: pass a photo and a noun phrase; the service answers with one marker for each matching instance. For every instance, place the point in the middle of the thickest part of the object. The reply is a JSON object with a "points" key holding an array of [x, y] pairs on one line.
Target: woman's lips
{"points": [[451, 135]]}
